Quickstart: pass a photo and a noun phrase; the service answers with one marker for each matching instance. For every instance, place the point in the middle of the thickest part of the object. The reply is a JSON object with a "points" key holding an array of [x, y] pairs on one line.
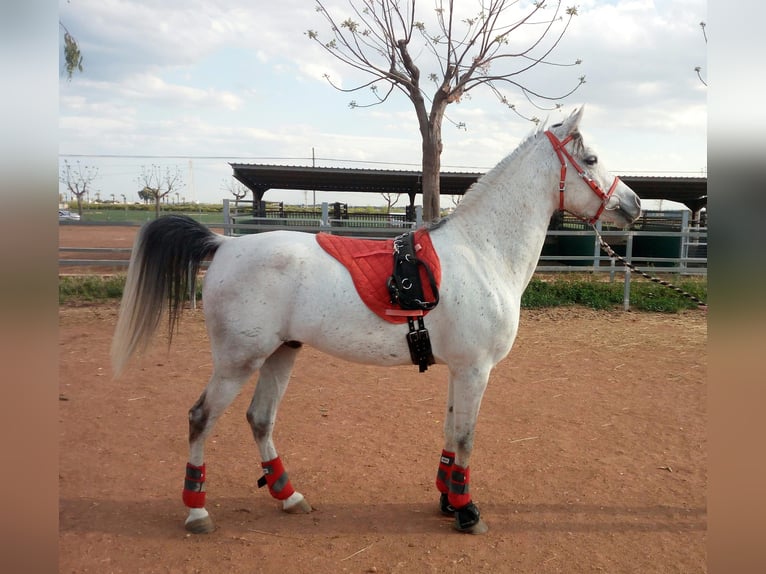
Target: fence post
{"points": [[226, 218], [325, 214], [418, 216], [626, 289], [684, 255], [596, 247]]}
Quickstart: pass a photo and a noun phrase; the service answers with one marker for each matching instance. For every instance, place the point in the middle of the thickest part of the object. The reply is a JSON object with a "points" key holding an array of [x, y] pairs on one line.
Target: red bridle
{"points": [[564, 155]]}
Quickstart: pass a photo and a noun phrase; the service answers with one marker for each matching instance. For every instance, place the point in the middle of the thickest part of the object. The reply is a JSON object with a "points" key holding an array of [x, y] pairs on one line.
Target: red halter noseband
{"points": [[564, 155]]}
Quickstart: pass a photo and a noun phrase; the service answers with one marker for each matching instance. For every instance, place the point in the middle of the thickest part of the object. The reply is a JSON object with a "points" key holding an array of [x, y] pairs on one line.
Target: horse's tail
{"points": [[163, 269]]}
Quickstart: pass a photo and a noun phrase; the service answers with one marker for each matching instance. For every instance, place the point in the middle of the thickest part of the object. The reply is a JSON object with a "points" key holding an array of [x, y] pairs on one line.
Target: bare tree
{"points": [[78, 180], [698, 69], [238, 189], [391, 200], [384, 39], [158, 184]]}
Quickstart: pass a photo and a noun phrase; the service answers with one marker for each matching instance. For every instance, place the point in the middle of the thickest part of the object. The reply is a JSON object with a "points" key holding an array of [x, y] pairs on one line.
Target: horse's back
{"points": [[271, 266]]}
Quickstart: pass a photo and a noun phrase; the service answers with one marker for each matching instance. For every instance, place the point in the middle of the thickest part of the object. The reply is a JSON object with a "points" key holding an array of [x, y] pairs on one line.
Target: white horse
{"points": [[267, 294]]}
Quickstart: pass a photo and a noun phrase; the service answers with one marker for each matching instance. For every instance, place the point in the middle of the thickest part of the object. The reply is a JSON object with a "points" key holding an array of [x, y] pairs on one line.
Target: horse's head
{"points": [[588, 190]]}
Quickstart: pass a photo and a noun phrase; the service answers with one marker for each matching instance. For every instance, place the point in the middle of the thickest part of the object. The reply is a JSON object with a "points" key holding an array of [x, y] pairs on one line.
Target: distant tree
{"points": [[158, 184], [238, 189], [146, 195], [391, 200], [72, 55], [78, 180], [492, 49]]}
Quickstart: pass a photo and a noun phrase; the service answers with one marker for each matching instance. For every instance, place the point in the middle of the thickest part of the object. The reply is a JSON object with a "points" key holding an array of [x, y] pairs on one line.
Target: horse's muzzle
{"points": [[624, 204]]}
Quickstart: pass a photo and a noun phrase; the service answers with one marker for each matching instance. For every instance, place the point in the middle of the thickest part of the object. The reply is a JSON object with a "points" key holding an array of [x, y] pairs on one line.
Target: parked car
{"points": [[66, 215]]}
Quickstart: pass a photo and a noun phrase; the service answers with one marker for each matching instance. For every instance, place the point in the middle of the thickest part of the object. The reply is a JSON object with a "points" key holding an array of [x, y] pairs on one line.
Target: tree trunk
{"points": [[430, 126], [432, 153], [431, 169]]}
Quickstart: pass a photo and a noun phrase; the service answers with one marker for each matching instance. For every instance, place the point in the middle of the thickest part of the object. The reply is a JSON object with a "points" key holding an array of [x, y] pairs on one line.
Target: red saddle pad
{"points": [[371, 263]]}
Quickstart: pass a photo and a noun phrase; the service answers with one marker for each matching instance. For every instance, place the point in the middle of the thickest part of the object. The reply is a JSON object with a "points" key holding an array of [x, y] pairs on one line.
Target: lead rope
{"points": [[609, 251]]}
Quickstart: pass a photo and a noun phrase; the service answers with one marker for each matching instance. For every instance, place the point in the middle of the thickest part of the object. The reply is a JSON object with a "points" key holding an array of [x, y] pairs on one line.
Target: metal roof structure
{"points": [[691, 191]]}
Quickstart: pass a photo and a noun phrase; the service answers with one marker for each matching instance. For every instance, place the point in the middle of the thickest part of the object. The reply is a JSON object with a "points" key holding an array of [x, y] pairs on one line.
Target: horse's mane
{"points": [[473, 193]]}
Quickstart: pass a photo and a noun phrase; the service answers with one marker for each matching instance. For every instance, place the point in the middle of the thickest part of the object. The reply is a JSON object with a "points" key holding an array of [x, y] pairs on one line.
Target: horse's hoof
{"points": [[444, 506], [468, 520], [479, 528], [300, 506], [202, 525]]}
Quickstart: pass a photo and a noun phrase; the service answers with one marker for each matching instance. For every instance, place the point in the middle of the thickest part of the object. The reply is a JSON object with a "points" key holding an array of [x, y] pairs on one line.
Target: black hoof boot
{"points": [[468, 519], [446, 508]]}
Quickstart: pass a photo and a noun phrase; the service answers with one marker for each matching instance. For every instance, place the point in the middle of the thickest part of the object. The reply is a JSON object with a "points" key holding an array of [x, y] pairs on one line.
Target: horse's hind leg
{"points": [[272, 383], [221, 390]]}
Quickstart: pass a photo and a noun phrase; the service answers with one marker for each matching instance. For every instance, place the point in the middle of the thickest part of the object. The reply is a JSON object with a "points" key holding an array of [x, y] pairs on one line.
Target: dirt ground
{"points": [[590, 454]]}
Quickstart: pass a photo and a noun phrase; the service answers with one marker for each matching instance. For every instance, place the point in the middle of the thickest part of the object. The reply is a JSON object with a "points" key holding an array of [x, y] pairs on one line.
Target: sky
{"points": [[192, 85]]}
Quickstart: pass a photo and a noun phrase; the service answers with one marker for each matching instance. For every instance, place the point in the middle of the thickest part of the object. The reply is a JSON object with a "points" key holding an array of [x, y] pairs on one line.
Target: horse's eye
{"points": [[591, 160]]}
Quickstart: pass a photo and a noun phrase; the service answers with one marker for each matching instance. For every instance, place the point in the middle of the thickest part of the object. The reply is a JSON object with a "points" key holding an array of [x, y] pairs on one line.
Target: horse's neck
{"points": [[507, 213]]}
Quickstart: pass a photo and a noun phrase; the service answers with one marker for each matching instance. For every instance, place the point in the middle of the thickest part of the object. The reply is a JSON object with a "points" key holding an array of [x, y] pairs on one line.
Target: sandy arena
{"points": [[590, 454]]}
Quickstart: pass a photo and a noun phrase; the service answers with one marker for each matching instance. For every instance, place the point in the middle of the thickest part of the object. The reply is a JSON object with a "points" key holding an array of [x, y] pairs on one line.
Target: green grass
{"points": [[648, 296], [644, 295], [90, 288], [102, 215], [557, 292]]}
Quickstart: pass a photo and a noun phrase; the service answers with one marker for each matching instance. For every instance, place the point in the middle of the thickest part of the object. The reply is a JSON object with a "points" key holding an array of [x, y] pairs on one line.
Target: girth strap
{"points": [[405, 285]]}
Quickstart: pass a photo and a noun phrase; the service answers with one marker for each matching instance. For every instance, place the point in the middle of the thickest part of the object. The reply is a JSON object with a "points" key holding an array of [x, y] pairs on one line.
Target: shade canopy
{"points": [[691, 191]]}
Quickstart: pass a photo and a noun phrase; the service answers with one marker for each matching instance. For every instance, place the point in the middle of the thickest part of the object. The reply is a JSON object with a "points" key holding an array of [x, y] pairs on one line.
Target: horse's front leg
{"points": [[466, 389], [272, 383]]}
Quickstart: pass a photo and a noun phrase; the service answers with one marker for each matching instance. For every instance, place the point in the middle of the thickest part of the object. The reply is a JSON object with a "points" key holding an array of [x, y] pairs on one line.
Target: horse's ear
{"points": [[573, 121]]}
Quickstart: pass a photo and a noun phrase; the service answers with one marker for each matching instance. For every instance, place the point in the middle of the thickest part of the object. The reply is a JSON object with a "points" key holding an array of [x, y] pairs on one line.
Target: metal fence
{"points": [[239, 218], [680, 252]]}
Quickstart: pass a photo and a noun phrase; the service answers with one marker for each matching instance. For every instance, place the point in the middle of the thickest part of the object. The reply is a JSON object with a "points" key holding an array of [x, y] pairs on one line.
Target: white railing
{"points": [[238, 219]]}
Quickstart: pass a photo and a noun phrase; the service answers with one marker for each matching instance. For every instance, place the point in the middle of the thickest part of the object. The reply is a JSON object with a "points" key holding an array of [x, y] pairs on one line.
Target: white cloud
{"points": [[153, 88], [216, 77]]}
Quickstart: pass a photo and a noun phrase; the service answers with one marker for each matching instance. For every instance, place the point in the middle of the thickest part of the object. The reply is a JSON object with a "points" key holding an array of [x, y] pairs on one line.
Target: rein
{"points": [[609, 251], [564, 155]]}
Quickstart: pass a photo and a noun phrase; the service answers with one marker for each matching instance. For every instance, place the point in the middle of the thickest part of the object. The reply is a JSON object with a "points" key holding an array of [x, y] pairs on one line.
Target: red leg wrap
{"points": [[276, 478], [459, 491], [194, 486], [445, 468]]}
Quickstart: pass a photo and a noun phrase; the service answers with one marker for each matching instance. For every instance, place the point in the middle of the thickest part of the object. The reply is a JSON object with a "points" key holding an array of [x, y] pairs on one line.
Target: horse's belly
{"points": [[340, 324]]}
